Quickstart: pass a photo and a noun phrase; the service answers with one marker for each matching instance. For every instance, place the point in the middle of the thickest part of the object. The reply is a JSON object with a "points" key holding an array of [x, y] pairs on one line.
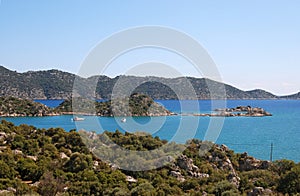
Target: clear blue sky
{"points": [[255, 44]]}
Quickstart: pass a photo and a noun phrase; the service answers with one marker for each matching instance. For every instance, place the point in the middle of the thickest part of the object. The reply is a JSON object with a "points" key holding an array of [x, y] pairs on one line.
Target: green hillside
{"points": [[47, 162]]}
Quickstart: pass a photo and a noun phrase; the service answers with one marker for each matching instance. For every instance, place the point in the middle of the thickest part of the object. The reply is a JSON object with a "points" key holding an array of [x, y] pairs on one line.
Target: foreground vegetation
{"points": [[47, 162]]}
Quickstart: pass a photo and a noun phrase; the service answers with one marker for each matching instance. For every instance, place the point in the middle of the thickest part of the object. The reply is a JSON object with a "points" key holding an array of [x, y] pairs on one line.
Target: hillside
{"points": [[47, 162], [294, 96], [55, 84]]}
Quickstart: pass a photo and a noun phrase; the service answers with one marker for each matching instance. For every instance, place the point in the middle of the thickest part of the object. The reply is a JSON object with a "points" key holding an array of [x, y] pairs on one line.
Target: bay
{"points": [[242, 134]]}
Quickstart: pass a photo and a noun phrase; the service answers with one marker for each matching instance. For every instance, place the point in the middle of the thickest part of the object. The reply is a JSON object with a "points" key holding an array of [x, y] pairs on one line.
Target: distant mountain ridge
{"points": [[55, 84]]}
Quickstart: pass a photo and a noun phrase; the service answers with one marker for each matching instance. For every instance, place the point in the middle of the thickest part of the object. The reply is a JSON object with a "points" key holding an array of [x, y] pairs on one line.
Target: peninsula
{"points": [[135, 105]]}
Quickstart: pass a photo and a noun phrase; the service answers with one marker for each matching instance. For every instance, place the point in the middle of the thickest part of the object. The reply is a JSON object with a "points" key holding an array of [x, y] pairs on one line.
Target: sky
{"points": [[254, 44]]}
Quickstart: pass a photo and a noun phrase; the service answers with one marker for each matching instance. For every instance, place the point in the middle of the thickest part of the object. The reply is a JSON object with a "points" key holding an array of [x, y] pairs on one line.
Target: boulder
{"points": [[185, 163], [260, 191], [178, 175], [248, 163], [130, 179]]}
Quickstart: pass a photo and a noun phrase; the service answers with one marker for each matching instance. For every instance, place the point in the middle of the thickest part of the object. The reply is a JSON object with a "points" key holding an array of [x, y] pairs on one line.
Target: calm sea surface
{"points": [[242, 134]]}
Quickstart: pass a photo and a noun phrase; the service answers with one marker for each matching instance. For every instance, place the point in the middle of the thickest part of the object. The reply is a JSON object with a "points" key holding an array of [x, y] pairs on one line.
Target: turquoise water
{"points": [[242, 134]]}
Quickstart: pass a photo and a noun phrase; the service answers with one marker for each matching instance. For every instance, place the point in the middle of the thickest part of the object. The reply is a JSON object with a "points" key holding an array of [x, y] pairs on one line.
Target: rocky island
{"points": [[242, 111], [239, 111]]}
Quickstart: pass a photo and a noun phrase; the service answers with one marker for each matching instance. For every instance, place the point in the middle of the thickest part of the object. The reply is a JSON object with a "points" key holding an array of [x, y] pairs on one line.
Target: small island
{"points": [[239, 111], [247, 111]]}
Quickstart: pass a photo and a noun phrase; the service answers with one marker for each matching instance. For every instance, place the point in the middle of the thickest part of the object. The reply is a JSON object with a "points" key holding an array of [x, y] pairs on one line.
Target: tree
{"points": [[28, 169], [6, 171], [222, 187], [290, 182], [50, 186], [143, 189]]}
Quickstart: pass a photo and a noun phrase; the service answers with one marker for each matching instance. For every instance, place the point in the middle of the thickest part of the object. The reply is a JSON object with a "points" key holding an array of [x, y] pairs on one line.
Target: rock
{"points": [[3, 134], [268, 192], [265, 165], [36, 184], [4, 192], [200, 175], [260, 191], [3, 147], [234, 179], [130, 179], [178, 175], [114, 166], [175, 173], [204, 193], [32, 157], [248, 163], [11, 189], [17, 152], [224, 148], [186, 163], [63, 156], [96, 163]]}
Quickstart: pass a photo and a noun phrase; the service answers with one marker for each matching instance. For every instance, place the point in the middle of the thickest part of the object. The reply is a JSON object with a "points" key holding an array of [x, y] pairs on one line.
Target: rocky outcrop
{"points": [[247, 163], [131, 179], [177, 175], [260, 191], [221, 161], [185, 163]]}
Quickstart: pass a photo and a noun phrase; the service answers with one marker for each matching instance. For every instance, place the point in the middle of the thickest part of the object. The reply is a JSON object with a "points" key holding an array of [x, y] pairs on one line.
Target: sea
{"points": [[272, 137]]}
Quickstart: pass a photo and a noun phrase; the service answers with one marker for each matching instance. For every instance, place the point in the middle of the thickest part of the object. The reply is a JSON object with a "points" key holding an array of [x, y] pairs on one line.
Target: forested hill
{"points": [[55, 84]]}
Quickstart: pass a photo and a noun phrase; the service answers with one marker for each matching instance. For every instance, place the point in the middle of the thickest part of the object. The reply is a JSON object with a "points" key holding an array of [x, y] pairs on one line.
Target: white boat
{"points": [[76, 118], [123, 120]]}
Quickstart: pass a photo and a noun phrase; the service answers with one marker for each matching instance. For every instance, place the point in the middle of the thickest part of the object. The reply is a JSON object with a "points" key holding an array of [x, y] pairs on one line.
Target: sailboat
{"points": [[76, 118]]}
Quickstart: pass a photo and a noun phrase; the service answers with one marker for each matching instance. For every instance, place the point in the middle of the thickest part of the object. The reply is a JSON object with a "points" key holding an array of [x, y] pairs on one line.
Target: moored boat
{"points": [[76, 118]]}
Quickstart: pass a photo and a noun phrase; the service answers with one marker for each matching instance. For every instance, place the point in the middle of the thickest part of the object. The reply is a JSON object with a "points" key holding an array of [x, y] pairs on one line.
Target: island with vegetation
{"points": [[135, 105], [47, 162]]}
